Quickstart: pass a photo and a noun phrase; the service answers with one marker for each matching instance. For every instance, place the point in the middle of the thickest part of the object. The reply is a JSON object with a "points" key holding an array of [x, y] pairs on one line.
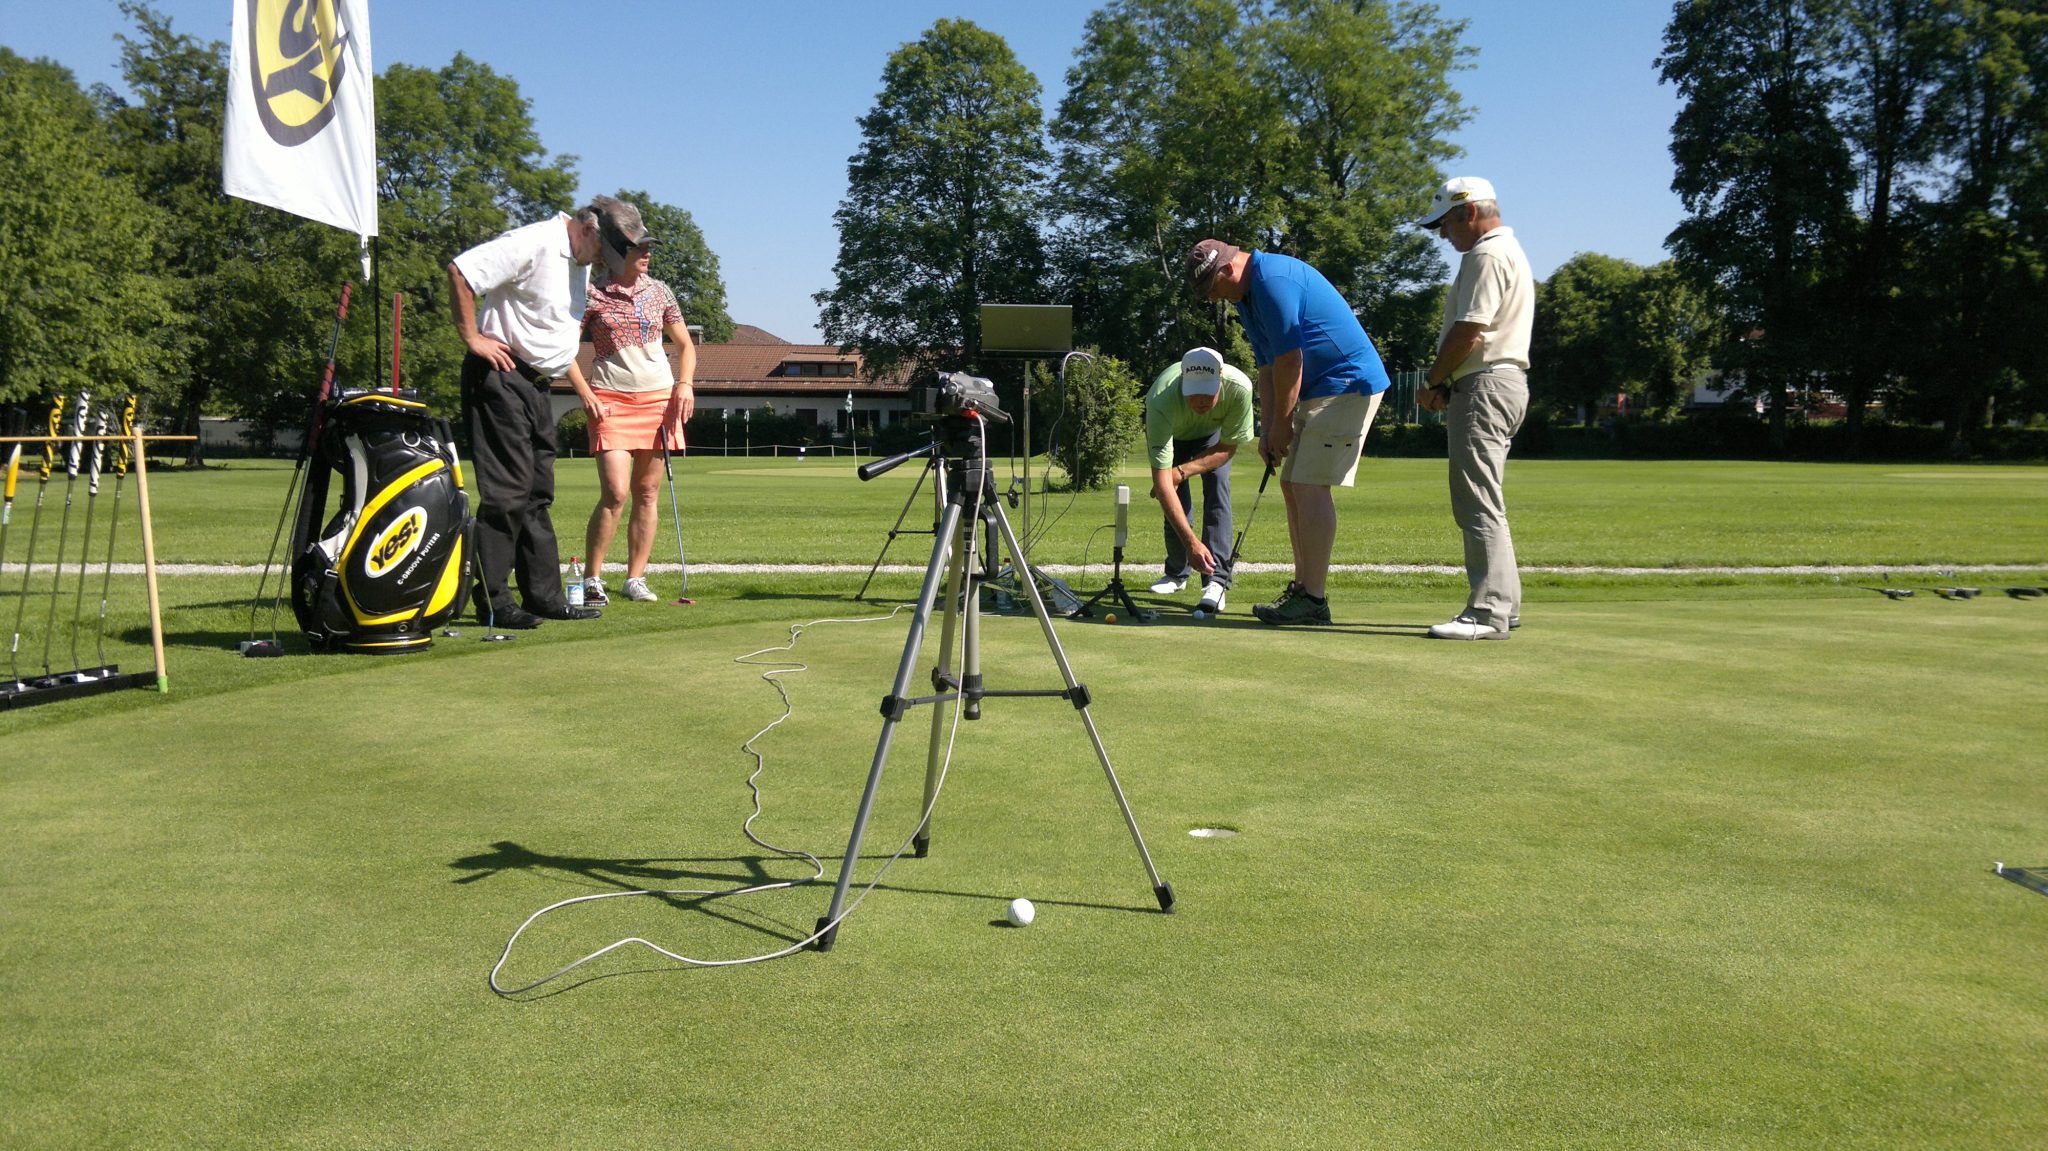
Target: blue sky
{"points": [[751, 107]]}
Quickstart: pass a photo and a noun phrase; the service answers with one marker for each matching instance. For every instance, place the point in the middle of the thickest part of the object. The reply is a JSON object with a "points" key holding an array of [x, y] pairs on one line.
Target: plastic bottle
{"points": [[575, 583]]}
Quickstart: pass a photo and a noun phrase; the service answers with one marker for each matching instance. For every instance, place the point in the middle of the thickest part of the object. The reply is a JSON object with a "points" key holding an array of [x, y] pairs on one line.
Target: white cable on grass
{"points": [[772, 677]]}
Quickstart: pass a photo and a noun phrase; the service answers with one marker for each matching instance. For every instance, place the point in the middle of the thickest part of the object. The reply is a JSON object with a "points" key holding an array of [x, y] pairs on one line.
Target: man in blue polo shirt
{"points": [[1320, 381]]}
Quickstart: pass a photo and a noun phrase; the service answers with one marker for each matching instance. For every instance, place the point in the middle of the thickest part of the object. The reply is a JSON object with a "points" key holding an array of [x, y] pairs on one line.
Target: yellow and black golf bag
{"points": [[392, 562]]}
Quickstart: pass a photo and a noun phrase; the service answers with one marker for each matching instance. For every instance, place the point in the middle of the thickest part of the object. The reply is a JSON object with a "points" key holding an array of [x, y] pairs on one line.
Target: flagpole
{"points": [[377, 294]]}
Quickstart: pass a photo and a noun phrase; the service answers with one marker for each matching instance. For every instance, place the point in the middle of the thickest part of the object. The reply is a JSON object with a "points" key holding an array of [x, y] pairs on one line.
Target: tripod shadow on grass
{"points": [[635, 874], [743, 871]]}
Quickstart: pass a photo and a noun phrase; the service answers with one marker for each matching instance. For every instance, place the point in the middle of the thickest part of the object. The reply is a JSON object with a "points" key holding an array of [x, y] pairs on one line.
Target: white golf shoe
{"points": [[1213, 599], [638, 591], [1169, 585], [1465, 627]]}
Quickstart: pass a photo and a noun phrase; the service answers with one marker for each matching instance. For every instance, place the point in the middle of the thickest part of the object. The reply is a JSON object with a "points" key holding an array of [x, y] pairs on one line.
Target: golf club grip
{"points": [[1264, 478]]}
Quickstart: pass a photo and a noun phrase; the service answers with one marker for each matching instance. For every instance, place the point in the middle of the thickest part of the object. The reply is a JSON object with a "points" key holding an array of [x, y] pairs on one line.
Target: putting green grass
{"points": [[1682, 865], [1565, 512]]}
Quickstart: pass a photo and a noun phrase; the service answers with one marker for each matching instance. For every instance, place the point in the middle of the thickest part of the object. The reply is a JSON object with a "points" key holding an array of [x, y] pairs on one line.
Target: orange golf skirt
{"points": [[631, 421]]}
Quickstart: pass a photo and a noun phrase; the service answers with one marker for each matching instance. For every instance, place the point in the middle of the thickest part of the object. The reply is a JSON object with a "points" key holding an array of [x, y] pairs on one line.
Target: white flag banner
{"points": [[302, 111]]}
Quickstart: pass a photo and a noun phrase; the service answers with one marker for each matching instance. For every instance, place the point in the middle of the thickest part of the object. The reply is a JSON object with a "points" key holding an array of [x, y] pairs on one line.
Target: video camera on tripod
{"points": [[956, 394]]}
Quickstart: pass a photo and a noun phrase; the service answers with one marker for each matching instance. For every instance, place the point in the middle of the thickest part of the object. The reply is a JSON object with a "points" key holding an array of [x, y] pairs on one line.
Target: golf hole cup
{"points": [[1020, 913]]}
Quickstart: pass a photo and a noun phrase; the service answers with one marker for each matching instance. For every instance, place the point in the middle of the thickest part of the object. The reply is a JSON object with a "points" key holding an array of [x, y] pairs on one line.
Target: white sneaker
{"points": [[638, 591], [593, 593], [1169, 585], [1213, 599], [1465, 627]]}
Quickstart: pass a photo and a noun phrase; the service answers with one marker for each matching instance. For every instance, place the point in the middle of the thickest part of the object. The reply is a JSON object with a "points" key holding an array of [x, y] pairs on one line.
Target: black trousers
{"points": [[512, 452], [1215, 514]]}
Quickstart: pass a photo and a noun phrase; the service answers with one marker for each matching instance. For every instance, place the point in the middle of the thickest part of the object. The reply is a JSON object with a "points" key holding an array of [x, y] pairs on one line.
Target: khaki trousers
{"points": [[1485, 412]]}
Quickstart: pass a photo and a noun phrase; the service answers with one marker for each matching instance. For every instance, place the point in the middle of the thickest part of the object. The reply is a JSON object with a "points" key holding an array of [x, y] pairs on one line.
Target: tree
{"points": [[459, 161], [1678, 326], [1094, 424], [1583, 343], [79, 307], [237, 273], [1312, 127], [686, 263], [1764, 175], [1981, 266], [942, 204], [1886, 62]]}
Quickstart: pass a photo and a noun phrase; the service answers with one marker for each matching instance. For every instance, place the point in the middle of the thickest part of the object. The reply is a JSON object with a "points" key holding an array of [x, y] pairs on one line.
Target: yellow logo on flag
{"points": [[296, 59]]}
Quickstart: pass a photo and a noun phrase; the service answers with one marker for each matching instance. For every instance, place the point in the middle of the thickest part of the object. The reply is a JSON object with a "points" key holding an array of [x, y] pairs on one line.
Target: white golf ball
{"points": [[1200, 614], [1021, 913]]}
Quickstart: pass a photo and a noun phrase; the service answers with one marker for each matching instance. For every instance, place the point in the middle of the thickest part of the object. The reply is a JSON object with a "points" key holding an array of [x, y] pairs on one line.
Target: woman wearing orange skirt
{"points": [[632, 400]]}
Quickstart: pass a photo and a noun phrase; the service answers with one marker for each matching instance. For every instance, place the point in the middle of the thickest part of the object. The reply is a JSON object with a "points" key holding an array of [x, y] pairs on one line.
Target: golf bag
{"points": [[391, 564]]}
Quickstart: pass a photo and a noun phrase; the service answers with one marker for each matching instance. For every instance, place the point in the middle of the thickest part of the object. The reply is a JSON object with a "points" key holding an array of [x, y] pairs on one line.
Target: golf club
{"points": [[92, 503], [35, 523], [491, 632], [252, 646], [114, 525], [15, 425], [78, 416], [1231, 567], [2014, 592], [676, 510]]}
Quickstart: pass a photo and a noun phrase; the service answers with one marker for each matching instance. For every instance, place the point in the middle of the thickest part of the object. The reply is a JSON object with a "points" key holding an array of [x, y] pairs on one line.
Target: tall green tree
{"points": [[686, 263], [80, 308], [239, 274], [1311, 127], [1583, 345], [1981, 265], [943, 203], [1885, 61], [1764, 175]]}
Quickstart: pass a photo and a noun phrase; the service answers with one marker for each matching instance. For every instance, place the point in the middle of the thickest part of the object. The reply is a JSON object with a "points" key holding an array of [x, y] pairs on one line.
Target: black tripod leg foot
{"points": [[921, 846], [827, 931], [1165, 893]]}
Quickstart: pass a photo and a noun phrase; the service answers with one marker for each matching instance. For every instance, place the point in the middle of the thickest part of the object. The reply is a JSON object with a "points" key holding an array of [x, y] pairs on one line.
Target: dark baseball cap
{"points": [[1206, 259], [621, 224]]}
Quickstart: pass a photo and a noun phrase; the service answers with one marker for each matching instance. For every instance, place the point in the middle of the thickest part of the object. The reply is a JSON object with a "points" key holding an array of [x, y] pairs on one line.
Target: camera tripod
{"points": [[966, 496], [930, 466]]}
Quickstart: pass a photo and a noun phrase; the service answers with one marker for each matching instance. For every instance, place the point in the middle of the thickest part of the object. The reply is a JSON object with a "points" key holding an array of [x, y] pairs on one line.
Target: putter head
{"points": [[499, 637], [260, 649], [683, 600], [1897, 592], [2024, 592]]}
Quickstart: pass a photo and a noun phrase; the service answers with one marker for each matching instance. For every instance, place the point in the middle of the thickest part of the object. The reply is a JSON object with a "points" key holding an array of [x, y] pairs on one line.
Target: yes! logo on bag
{"points": [[399, 540]]}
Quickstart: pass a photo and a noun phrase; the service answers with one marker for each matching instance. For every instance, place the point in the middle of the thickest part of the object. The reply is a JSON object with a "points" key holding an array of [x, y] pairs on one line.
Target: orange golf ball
{"points": [[1110, 618]]}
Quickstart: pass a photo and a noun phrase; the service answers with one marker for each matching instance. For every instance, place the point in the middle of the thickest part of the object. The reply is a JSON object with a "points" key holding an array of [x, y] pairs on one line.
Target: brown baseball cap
{"points": [[1206, 259]]}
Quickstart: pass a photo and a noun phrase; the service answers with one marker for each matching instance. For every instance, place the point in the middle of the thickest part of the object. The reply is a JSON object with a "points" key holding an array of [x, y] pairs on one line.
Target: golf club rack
{"points": [[390, 564]]}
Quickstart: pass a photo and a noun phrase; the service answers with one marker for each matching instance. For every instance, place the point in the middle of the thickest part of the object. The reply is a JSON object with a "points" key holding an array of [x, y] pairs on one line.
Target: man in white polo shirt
{"points": [[1481, 375], [518, 304]]}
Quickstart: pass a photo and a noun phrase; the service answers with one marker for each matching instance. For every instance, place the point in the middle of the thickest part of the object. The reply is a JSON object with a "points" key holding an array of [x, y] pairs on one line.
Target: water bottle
{"points": [[575, 583]]}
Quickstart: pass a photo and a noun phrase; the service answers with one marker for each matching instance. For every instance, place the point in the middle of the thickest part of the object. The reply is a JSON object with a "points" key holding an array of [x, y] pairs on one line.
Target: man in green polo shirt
{"points": [[1196, 414]]}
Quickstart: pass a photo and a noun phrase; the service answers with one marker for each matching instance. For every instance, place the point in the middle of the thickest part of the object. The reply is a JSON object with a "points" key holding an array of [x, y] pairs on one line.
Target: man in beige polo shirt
{"points": [[1481, 375]]}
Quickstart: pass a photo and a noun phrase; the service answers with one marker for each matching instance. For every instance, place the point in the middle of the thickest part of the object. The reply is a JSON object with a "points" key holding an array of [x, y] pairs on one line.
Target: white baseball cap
{"points": [[1456, 190], [1201, 372]]}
